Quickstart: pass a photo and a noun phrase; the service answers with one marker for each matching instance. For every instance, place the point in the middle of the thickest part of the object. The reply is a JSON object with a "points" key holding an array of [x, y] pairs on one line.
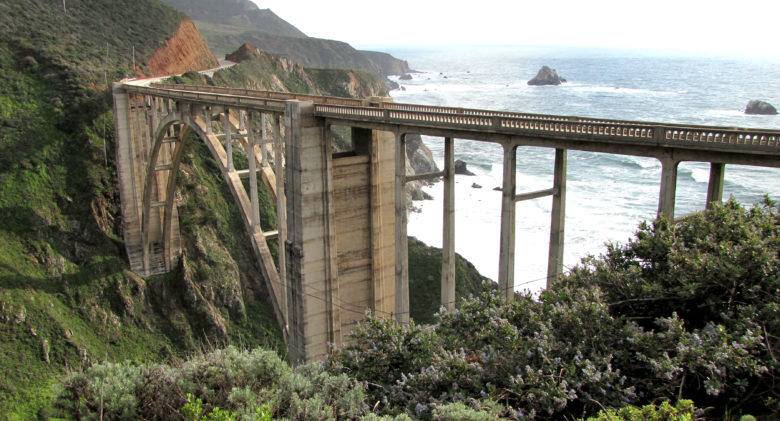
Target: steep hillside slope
{"points": [[227, 25], [66, 296]]}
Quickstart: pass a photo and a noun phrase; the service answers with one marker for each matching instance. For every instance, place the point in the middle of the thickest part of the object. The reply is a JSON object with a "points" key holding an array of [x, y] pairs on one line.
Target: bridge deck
{"points": [[721, 144]]}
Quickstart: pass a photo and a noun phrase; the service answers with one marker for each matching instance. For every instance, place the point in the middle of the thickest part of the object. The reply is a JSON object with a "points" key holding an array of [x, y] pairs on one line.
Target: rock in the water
{"points": [[391, 86], [760, 107], [475, 186], [461, 168], [546, 76], [497, 189], [406, 76]]}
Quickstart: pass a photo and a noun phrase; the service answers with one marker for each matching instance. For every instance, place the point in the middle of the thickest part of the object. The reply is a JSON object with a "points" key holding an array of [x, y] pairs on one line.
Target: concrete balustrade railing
{"points": [[491, 113], [768, 139]]}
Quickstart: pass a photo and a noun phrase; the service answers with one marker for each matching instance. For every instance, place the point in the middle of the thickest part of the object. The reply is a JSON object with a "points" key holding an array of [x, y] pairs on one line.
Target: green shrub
{"points": [[716, 276], [682, 411], [223, 385], [460, 412], [683, 311]]}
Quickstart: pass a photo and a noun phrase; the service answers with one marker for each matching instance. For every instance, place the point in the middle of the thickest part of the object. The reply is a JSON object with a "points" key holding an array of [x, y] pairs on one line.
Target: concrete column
{"points": [[207, 116], [293, 247], [668, 189], [558, 218], [448, 231], [308, 247], [332, 297], [715, 187], [228, 141], [281, 216], [264, 145], [250, 154], [401, 240], [506, 263]]}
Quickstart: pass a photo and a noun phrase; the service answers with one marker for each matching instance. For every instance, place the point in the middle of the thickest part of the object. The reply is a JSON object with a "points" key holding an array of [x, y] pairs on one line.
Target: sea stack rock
{"points": [[461, 168], [546, 76], [405, 76], [760, 107]]}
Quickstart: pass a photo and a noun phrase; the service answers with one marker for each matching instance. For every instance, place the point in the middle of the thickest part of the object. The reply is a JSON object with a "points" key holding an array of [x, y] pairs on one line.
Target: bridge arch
{"points": [[161, 131], [156, 134]]}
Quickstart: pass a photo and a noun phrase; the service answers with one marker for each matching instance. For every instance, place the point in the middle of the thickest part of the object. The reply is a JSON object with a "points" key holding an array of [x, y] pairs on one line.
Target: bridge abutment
{"points": [[341, 231]]}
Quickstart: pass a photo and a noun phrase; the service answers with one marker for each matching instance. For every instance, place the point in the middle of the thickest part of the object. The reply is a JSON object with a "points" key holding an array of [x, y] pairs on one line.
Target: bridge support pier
{"points": [[341, 232], [448, 229], [558, 218], [401, 240], [506, 260], [668, 189], [715, 186], [250, 153], [131, 203]]}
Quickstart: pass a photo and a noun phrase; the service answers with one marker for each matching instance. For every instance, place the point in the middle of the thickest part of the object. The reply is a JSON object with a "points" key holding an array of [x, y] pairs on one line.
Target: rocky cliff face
{"points": [[387, 63], [185, 50], [419, 160], [261, 70]]}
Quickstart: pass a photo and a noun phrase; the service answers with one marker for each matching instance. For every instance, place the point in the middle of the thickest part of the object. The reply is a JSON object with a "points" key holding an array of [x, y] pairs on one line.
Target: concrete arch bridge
{"points": [[342, 216]]}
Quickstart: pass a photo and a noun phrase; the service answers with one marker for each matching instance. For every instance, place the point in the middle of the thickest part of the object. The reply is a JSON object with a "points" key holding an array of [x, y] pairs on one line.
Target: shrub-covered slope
{"points": [[65, 295]]}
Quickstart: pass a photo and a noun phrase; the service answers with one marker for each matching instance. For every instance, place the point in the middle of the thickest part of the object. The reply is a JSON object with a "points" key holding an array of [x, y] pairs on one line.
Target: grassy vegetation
{"points": [[425, 280]]}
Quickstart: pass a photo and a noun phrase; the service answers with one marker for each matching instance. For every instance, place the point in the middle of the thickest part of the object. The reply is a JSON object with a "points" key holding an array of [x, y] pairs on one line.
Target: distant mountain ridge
{"points": [[237, 13], [230, 23]]}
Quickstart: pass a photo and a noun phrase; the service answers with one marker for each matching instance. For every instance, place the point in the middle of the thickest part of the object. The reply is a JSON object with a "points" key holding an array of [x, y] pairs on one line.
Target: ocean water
{"points": [[608, 195]]}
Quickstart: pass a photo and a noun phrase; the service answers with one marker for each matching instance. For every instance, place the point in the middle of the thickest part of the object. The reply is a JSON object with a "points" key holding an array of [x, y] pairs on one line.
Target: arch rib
{"points": [[257, 238]]}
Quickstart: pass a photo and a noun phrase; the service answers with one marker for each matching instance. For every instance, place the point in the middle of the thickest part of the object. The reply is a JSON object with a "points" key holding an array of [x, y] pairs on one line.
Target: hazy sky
{"points": [[708, 26]]}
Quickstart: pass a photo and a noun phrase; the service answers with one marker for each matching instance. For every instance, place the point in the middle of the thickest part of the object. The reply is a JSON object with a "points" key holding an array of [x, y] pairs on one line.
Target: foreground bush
{"points": [[239, 383], [681, 311], [686, 311], [682, 411], [717, 274]]}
